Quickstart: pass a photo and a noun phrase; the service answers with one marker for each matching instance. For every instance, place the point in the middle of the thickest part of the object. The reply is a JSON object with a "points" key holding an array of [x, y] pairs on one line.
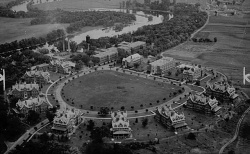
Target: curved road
{"points": [[236, 131], [90, 114]]}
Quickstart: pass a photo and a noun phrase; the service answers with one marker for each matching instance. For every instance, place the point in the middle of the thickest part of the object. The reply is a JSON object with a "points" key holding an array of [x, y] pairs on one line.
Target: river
{"points": [[21, 7], [141, 20]]}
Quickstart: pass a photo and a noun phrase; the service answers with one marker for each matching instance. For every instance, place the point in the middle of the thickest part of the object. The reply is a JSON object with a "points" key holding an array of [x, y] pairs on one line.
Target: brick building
{"points": [[201, 103], [38, 104], [39, 77], [131, 60], [65, 121], [170, 119], [107, 55], [63, 67], [221, 90], [24, 91], [162, 65]]}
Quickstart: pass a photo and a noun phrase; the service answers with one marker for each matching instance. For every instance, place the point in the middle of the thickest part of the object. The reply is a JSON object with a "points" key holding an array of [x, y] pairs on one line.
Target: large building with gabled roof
{"points": [[120, 125], [202, 103], [40, 77], [64, 67], [221, 90], [65, 120], [38, 104], [24, 90], [170, 119]]}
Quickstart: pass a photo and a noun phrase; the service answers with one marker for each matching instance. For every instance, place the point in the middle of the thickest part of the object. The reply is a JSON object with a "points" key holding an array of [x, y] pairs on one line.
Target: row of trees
{"points": [[31, 42]]}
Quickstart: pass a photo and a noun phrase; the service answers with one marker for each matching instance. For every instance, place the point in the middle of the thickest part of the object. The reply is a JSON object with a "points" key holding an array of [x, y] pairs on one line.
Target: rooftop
{"points": [[168, 112], [21, 86], [31, 102], [106, 52], [37, 73], [119, 119], [133, 57], [162, 61]]}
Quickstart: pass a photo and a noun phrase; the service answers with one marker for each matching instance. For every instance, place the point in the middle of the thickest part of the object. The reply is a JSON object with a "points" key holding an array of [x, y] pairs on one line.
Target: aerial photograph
{"points": [[124, 77]]}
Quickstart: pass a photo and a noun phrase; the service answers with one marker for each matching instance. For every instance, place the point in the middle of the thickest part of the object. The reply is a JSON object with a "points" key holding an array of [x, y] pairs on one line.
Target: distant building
{"points": [[170, 119], [65, 121], [221, 90], [107, 55], [42, 67], [64, 67], [39, 77], [131, 60], [201, 103], [120, 125], [162, 65], [191, 72], [24, 91], [126, 46], [38, 104]]}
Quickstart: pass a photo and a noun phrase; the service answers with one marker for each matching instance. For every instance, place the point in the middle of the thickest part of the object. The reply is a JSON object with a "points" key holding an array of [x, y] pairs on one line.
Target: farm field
{"points": [[113, 89], [231, 51], [235, 20]]}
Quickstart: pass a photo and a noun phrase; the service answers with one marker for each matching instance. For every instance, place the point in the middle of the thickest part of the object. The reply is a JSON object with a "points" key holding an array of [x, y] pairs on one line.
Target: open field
{"points": [[17, 29], [236, 20], [80, 4], [113, 89], [229, 54], [4, 2]]}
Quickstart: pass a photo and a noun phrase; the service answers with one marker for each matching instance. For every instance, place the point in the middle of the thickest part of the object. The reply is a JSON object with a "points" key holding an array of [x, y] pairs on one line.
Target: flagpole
{"points": [[4, 80]]}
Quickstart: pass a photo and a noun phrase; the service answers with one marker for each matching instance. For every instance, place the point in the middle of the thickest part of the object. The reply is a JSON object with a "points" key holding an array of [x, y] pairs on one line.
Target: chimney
{"points": [[63, 45]]}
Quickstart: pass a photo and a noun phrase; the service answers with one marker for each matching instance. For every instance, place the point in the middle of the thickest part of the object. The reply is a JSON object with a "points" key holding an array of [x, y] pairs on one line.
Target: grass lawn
{"points": [[114, 89], [150, 132], [196, 120]]}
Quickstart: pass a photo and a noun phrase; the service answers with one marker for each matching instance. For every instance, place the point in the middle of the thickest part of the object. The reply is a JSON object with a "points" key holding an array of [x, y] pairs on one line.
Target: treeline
{"points": [[14, 3], [161, 36], [7, 49], [5, 11], [79, 20]]}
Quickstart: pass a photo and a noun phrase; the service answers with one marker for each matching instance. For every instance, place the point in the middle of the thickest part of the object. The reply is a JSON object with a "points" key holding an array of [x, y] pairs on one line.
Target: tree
{"points": [[145, 122], [245, 131], [215, 39], [85, 59], [191, 136], [104, 111], [98, 133], [33, 117], [50, 116], [90, 125], [43, 51], [79, 65], [95, 60]]}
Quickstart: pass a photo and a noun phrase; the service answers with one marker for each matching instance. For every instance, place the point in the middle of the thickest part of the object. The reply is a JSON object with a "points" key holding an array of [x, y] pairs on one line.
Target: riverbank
{"points": [[18, 29]]}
